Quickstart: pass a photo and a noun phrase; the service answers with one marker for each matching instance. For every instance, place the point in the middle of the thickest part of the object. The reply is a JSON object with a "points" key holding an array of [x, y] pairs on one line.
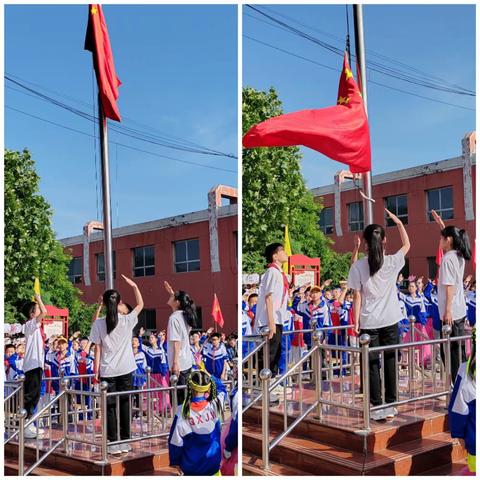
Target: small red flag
{"points": [[217, 312], [98, 42], [438, 258], [340, 132]]}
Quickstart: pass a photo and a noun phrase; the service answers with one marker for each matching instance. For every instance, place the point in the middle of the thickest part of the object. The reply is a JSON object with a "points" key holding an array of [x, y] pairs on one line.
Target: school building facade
{"points": [[447, 186], [196, 252]]}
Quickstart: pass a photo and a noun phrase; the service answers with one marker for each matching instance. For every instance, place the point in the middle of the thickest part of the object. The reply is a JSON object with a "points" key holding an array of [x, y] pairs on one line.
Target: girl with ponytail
{"points": [[376, 308], [180, 323], [114, 358], [452, 307], [194, 441]]}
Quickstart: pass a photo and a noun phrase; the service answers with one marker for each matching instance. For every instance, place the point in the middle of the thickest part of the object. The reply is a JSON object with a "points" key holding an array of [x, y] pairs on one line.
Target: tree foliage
{"points": [[31, 249], [274, 194]]}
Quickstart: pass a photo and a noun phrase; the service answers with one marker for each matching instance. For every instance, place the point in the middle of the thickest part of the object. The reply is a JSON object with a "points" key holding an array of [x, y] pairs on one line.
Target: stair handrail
{"points": [[16, 396]]}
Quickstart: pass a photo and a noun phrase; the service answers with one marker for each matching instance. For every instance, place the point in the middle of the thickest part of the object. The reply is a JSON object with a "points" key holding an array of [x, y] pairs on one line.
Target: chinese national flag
{"points": [[217, 312], [340, 132], [439, 256], [97, 41]]}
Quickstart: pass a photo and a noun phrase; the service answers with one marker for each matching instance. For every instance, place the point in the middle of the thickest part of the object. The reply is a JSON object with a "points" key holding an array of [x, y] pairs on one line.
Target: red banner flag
{"points": [[439, 256], [217, 312], [340, 132], [97, 42]]}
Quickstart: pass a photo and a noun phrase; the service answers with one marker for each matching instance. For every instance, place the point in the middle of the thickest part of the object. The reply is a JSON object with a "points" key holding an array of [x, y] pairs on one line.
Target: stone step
{"points": [[252, 466], [11, 468], [309, 455], [451, 470]]}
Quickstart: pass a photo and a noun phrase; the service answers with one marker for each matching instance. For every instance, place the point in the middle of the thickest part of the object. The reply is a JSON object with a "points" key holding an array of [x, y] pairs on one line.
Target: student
{"points": [[470, 299], [231, 440], [84, 367], [9, 353], [34, 360], [231, 348], [194, 440], [462, 408], [114, 359], [272, 304], [376, 308], [451, 299], [140, 374], [180, 323], [246, 330], [197, 342], [215, 356]]}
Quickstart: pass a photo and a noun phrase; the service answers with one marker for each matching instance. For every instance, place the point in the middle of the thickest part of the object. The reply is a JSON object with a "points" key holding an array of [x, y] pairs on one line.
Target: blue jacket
{"points": [[214, 359], [461, 411], [431, 295], [231, 440], [194, 442], [471, 307]]}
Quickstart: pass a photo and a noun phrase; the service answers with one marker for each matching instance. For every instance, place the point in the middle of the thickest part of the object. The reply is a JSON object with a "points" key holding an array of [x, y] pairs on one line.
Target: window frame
{"points": [[324, 228], [439, 210], [360, 222], [76, 278], [403, 218], [188, 261], [144, 266], [98, 272]]}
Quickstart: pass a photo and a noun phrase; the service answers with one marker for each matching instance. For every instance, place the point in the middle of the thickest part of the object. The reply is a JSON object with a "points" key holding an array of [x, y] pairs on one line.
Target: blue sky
{"points": [[178, 66], [405, 130]]}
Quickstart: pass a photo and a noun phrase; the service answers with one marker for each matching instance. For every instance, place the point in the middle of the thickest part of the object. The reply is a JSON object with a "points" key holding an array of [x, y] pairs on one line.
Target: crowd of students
{"points": [[114, 354]]}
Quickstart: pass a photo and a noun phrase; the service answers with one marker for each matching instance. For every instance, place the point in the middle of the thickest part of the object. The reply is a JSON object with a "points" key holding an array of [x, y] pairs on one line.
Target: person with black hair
{"points": [[272, 304], [181, 321], [215, 356], [376, 308], [451, 298], [34, 360], [114, 359]]}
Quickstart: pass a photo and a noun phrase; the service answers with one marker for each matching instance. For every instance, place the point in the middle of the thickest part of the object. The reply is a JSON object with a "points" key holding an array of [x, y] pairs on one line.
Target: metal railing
{"points": [[13, 402], [83, 409], [348, 366]]}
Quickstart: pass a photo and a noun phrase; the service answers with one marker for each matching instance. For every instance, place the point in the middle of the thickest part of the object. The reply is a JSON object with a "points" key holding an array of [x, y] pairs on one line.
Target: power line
{"points": [[336, 70], [121, 144]]}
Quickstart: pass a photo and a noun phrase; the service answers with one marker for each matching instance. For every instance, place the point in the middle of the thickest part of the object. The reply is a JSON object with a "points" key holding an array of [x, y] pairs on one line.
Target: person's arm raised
{"points": [[138, 295], [43, 310], [403, 233], [438, 219], [356, 247]]}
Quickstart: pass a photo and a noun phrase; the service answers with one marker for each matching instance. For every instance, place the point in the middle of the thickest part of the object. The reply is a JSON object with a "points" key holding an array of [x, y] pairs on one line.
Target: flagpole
{"points": [[362, 80], [107, 219]]}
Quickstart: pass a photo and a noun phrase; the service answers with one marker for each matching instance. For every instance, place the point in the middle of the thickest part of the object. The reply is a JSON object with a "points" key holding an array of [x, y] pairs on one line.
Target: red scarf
{"points": [[286, 285]]}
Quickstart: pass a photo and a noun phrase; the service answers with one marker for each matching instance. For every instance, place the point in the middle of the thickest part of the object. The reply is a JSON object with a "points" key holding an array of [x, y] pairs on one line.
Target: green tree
{"points": [[274, 194], [31, 249]]}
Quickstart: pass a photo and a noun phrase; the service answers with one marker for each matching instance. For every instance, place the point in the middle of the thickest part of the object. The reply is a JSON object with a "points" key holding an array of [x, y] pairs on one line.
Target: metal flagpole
{"points": [[362, 74], [107, 217]]}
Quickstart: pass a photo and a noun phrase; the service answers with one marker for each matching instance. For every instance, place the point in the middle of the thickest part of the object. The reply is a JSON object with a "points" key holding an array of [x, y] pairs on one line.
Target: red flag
{"points": [[340, 132], [97, 41], [438, 258], [217, 312]]}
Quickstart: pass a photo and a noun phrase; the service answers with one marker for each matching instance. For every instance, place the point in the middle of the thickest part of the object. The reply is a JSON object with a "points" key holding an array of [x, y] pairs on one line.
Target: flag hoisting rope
{"points": [[97, 41]]}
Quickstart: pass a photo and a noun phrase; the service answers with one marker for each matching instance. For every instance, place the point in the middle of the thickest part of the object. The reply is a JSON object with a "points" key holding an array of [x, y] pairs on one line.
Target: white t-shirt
{"points": [[451, 272], [271, 283], [178, 330], [117, 353], [34, 347], [380, 307]]}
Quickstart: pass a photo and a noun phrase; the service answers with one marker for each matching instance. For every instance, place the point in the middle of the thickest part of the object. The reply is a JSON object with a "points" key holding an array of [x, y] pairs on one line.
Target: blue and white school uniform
{"points": [[140, 374], [15, 368], [285, 355], [417, 306], [461, 412], [194, 442], [231, 440], [246, 330], [470, 299], [156, 360], [431, 293], [214, 359], [308, 311]]}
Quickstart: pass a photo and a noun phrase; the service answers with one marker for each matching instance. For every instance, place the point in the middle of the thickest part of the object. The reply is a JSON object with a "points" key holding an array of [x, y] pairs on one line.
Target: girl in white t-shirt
{"points": [[180, 323], [376, 308], [452, 307]]}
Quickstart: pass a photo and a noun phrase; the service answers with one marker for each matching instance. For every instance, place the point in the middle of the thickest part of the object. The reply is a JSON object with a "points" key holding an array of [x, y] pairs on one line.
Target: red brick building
{"points": [[448, 186], [195, 252]]}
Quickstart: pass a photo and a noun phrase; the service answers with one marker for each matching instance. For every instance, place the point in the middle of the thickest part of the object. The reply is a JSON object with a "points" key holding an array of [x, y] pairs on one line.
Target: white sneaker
{"points": [[30, 432], [125, 448], [378, 415], [391, 412], [114, 450]]}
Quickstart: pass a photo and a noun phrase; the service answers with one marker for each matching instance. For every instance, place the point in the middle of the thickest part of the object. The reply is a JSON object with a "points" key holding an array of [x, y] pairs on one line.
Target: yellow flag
{"points": [[287, 247], [36, 288]]}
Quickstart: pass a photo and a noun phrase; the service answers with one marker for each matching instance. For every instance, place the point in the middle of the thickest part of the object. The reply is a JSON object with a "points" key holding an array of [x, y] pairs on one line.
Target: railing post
{"points": [[174, 382], [364, 343], [149, 397], [65, 382], [411, 353], [447, 330], [21, 393], [317, 337], [265, 376], [265, 332], [22, 415], [103, 412]]}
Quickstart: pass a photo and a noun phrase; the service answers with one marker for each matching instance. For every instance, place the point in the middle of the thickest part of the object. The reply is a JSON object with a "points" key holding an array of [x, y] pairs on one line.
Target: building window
{"points": [[75, 270], [405, 271], [326, 220], [355, 216], [187, 255], [440, 200], [432, 267], [397, 204], [144, 261], [101, 266], [148, 319]]}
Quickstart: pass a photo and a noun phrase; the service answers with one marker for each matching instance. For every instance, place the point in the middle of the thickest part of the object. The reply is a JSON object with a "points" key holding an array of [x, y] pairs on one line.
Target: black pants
{"points": [[382, 337], [31, 387], [182, 380], [456, 357], [118, 384], [275, 351]]}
